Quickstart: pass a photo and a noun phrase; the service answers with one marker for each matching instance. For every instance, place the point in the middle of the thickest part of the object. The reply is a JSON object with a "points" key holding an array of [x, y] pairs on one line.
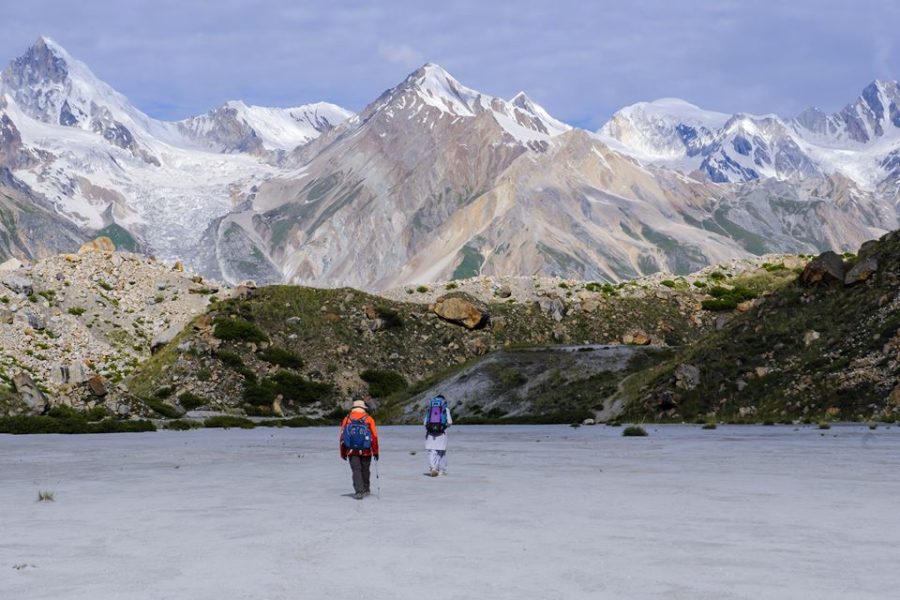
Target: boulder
{"points": [[98, 385], [810, 337], [19, 284], [100, 244], [861, 271], [867, 247], [75, 373], [11, 265], [687, 377], [30, 394], [825, 269], [554, 308], [178, 267], [745, 306], [504, 291], [163, 338], [35, 321], [459, 311], [7, 317]]}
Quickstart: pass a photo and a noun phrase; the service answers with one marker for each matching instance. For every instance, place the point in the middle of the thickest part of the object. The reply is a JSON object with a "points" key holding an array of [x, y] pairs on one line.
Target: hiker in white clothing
{"points": [[437, 421]]}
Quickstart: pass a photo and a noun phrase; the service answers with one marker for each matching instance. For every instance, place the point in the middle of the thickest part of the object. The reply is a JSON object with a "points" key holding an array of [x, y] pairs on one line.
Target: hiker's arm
{"points": [[341, 447], [449, 417], [374, 429]]}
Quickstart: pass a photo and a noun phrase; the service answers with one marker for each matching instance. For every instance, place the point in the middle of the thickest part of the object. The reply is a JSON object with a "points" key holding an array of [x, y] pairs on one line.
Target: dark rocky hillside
{"points": [[827, 346], [295, 350]]}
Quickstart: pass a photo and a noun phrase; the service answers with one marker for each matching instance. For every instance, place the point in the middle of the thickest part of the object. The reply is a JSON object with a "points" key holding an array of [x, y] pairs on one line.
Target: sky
{"points": [[581, 59]]}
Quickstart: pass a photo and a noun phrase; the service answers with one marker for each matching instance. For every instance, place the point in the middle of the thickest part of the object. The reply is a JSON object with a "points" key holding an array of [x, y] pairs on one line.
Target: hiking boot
{"points": [[443, 473], [434, 472], [367, 493], [359, 495]]}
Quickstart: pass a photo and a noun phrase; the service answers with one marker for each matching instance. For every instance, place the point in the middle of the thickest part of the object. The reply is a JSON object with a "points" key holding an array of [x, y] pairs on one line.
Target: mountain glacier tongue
{"points": [[434, 180]]}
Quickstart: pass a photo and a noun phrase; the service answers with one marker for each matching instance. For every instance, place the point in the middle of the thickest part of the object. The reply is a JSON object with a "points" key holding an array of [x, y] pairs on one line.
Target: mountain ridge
{"points": [[434, 180]]}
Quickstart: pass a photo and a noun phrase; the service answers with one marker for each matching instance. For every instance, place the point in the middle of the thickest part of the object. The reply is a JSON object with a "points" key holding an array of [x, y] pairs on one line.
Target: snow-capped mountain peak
{"points": [[49, 85], [238, 127]]}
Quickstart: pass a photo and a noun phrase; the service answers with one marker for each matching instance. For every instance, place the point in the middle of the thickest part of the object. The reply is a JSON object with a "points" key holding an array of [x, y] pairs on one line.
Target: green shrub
{"points": [[158, 406], [181, 425], [451, 286], [717, 275], [69, 424], [824, 425], [634, 431], [422, 289], [232, 359], [163, 392], [238, 330], [383, 383], [292, 388], [191, 401], [76, 310], [106, 286], [668, 283], [281, 357], [98, 413], [228, 421], [709, 425], [700, 284]]}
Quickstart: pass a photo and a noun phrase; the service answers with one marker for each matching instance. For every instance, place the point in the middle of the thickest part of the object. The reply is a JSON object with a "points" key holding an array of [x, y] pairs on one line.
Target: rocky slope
{"points": [[73, 326], [827, 346]]}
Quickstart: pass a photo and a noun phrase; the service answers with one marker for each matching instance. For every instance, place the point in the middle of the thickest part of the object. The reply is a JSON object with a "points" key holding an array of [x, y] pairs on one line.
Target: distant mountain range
{"points": [[433, 181]]}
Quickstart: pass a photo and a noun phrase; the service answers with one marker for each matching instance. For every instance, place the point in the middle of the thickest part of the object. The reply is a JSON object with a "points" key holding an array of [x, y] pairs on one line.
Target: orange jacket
{"points": [[355, 414]]}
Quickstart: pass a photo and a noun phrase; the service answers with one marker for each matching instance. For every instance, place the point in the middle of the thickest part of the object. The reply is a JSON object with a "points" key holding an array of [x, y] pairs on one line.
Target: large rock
{"points": [[11, 265], [163, 338], [30, 394], [98, 385], [687, 377], [825, 269], [554, 308], [460, 311], [75, 373], [861, 271], [19, 284], [100, 244], [35, 321]]}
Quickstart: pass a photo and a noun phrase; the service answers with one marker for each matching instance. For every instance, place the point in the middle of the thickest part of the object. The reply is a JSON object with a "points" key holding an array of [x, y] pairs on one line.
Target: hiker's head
{"points": [[360, 404]]}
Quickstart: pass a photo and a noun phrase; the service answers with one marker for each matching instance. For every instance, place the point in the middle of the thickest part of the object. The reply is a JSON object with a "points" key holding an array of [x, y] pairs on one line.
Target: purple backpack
{"points": [[436, 423]]}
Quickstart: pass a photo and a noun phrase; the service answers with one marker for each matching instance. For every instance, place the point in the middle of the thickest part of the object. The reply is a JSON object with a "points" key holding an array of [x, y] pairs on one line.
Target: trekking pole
{"points": [[377, 482]]}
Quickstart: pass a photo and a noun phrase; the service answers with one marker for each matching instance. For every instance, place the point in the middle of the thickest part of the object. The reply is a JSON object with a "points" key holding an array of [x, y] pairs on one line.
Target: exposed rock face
{"points": [[100, 244], [29, 392], [861, 271], [460, 311], [73, 373], [825, 269]]}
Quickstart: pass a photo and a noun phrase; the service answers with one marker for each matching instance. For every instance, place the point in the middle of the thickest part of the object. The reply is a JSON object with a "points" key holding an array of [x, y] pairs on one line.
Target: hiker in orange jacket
{"points": [[359, 444]]}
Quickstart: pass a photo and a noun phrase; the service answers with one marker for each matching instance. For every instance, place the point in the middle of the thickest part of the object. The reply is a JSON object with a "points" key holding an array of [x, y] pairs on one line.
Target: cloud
{"points": [[401, 54]]}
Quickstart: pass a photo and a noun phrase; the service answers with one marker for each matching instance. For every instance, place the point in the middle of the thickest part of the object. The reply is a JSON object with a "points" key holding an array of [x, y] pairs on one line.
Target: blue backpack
{"points": [[436, 420], [357, 435]]}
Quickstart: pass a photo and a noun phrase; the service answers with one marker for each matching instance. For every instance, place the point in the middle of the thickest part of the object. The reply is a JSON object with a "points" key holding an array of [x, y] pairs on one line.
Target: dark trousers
{"points": [[360, 467]]}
